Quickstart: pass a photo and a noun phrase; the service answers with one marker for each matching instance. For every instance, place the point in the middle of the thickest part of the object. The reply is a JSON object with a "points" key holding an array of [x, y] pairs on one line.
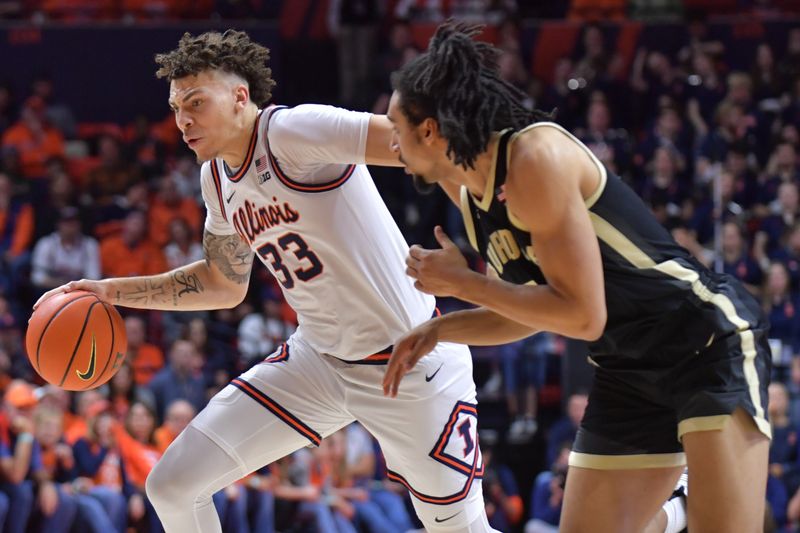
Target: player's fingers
{"points": [[442, 238], [420, 287], [48, 294], [417, 252], [391, 368]]}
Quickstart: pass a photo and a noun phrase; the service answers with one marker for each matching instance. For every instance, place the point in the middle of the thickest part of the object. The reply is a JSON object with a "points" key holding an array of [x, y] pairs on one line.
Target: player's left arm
{"points": [[543, 189], [379, 143]]}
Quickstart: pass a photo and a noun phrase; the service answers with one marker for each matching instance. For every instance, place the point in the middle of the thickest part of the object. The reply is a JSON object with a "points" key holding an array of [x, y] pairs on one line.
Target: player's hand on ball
{"points": [[439, 272], [97, 287], [411, 347]]}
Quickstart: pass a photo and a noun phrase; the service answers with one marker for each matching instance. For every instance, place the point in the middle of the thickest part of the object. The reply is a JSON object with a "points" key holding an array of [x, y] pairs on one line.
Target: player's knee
{"points": [[466, 516], [164, 487]]}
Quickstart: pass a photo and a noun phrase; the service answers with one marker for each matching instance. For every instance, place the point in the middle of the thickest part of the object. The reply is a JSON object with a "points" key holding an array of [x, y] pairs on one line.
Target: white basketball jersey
{"points": [[306, 204]]}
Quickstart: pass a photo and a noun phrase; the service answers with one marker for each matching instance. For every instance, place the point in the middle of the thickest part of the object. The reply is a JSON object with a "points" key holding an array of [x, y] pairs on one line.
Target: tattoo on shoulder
{"points": [[230, 254]]}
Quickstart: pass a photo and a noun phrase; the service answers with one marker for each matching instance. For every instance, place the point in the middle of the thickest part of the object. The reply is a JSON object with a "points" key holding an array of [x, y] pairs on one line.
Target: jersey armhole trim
{"points": [[601, 185], [295, 185], [466, 213], [218, 187]]}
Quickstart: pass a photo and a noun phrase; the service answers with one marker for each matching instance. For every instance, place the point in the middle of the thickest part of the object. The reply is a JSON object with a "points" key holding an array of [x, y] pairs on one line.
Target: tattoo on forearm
{"points": [[146, 292], [230, 254], [187, 283]]}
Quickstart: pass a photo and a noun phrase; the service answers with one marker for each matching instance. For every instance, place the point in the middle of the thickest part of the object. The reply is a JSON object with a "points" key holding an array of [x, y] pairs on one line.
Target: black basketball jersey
{"points": [[654, 288]]}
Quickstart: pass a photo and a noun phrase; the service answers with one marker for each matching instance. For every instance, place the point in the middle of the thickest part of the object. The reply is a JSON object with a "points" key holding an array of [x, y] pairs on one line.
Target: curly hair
{"points": [[232, 52], [456, 82]]}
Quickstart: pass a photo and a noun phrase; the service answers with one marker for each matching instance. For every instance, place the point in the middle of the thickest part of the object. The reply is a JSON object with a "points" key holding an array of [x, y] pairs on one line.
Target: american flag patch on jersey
{"points": [[261, 164]]}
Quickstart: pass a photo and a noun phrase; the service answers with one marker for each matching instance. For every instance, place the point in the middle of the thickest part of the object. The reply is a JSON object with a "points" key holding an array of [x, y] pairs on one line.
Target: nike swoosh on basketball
{"points": [[86, 376], [228, 199], [428, 378], [440, 520]]}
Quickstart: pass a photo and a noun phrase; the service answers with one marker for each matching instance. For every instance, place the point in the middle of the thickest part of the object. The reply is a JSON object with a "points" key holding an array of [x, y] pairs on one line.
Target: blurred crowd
{"points": [[712, 149]]}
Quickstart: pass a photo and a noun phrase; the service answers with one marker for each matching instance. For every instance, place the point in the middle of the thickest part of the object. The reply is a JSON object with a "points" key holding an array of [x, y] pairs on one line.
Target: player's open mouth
{"points": [[193, 142]]}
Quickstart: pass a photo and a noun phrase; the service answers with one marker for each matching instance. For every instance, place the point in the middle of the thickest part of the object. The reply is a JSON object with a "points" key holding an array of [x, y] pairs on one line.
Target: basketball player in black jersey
{"points": [[681, 356]]}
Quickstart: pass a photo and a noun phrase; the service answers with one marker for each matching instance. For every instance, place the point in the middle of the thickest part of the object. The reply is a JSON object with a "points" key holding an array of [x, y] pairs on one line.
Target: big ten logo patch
{"points": [[457, 446]]}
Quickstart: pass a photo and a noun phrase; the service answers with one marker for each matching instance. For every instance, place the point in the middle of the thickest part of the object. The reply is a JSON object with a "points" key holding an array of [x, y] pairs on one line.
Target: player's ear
{"points": [[429, 130], [241, 95]]}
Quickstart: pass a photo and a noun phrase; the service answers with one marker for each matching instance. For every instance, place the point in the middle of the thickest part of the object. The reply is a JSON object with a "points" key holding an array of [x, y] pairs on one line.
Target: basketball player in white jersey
{"points": [[290, 186]]}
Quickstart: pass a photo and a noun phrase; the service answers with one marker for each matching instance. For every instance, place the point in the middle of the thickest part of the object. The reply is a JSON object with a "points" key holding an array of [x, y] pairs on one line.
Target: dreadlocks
{"points": [[232, 51], [457, 83]]}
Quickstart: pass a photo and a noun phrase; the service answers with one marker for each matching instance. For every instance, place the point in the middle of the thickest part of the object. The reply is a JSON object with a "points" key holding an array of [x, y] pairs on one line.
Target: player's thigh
{"points": [[722, 401], [626, 456], [275, 408], [614, 501], [428, 433], [727, 476]]}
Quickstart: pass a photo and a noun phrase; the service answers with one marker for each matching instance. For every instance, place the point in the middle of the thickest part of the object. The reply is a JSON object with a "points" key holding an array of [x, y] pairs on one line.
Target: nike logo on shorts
{"points": [[440, 520], [428, 378]]}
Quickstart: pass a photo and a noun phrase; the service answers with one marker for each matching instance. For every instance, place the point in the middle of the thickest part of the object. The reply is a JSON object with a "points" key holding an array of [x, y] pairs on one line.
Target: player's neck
{"points": [[475, 178], [236, 151]]}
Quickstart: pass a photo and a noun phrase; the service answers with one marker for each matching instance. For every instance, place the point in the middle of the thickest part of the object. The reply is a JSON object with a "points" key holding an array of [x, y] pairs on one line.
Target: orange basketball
{"points": [[76, 341]]}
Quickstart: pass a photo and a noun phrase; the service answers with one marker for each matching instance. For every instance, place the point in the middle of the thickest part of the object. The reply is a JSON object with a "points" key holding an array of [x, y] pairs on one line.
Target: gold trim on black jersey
{"points": [[615, 239]]}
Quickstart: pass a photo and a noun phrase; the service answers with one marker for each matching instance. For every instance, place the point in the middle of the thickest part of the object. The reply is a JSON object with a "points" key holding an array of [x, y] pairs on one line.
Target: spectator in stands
{"points": [[183, 247], [59, 461], [33, 139], [103, 460], [667, 132], [767, 85], [783, 463], [504, 506], [782, 167], [524, 373], [789, 66], [146, 148], [736, 260], [6, 107], [221, 360], [704, 91], [364, 467], [179, 380], [566, 427], [610, 145], [656, 83], [64, 255], [113, 177], [781, 305], [169, 205], [784, 214], [16, 234], [563, 94], [354, 24], [145, 358], [131, 253], [548, 494], [124, 392], [26, 482], [57, 114], [597, 66], [179, 414], [140, 426], [662, 184]]}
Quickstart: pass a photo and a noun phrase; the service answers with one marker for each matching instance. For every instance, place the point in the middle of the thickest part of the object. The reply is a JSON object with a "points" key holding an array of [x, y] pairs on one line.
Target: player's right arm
{"points": [[476, 327], [220, 281]]}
